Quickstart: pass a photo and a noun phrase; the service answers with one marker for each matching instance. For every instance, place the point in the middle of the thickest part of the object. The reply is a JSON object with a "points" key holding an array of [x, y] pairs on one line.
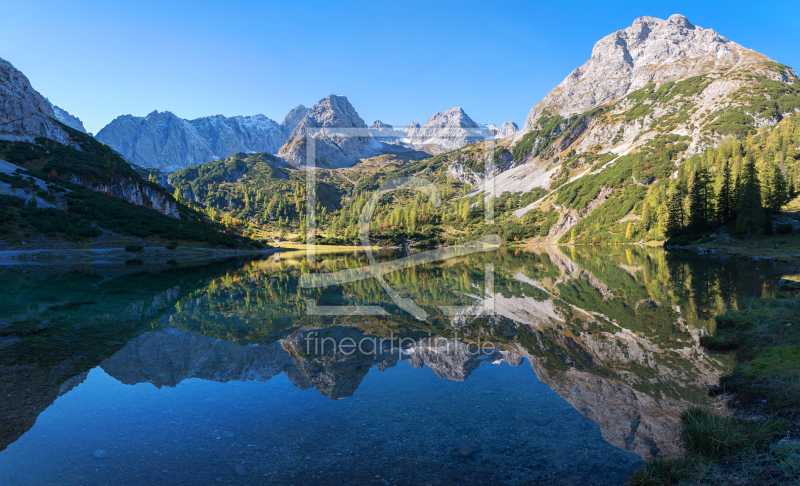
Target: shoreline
{"points": [[149, 255], [759, 441]]}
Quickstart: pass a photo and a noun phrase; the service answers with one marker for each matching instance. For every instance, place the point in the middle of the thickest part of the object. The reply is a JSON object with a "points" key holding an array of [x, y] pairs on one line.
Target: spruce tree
{"points": [[698, 217], [675, 215], [778, 193], [750, 212], [736, 196], [724, 196]]}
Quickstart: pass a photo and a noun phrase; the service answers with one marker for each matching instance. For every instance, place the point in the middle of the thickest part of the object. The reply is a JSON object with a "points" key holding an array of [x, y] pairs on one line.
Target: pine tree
{"points": [[750, 212], [724, 196]]}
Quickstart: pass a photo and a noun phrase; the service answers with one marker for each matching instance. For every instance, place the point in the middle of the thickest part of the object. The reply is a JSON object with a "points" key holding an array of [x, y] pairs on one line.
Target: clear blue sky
{"points": [[395, 60]]}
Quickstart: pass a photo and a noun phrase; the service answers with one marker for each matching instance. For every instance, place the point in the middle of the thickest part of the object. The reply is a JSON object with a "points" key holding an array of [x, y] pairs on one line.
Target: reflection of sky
{"points": [[402, 422]]}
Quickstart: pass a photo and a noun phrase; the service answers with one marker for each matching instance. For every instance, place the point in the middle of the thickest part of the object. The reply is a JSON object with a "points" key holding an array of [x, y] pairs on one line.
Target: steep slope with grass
{"points": [[652, 97], [85, 191]]}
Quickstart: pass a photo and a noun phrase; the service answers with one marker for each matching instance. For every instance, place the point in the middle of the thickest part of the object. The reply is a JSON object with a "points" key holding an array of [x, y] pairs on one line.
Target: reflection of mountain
{"points": [[169, 356], [614, 331]]}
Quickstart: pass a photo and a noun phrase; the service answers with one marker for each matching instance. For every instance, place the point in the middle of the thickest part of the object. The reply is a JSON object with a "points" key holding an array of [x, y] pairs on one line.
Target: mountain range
{"points": [[604, 142], [166, 142]]}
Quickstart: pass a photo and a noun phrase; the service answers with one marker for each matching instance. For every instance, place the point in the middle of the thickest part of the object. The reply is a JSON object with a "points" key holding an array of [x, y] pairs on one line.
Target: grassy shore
{"points": [[759, 443]]}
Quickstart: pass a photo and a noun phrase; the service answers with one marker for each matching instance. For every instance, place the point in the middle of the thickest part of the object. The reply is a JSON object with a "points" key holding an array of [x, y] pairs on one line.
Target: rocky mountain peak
{"points": [[334, 111], [168, 142], [379, 124], [24, 113], [680, 20], [292, 119], [505, 130], [334, 147], [649, 50], [64, 117], [444, 131], [450, 118]]}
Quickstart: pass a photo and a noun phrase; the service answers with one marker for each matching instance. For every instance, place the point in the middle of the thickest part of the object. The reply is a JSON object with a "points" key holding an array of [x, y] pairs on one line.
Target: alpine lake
{"points": [[516, 366]]}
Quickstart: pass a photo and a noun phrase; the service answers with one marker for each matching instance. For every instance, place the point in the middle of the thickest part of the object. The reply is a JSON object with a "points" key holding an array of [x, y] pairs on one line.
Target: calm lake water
{"points": [[510, 367]]}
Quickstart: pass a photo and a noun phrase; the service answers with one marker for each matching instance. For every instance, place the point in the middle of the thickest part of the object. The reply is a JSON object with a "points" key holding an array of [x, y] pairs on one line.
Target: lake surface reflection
{"points": [[218, 374]]}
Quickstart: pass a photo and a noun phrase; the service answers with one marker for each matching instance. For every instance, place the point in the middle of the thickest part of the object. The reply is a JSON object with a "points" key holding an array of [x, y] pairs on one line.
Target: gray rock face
{"points": [[168, 142], [445, 131], [377, 124], [384, 132], [506, 130], [292, 119], [340, 135], [64, 117], [136, 194], [650, 50], [24, 113]]}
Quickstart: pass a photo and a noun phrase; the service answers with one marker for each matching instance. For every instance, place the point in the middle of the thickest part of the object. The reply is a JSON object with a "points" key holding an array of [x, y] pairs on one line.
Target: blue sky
{"points": [[397, 61]]}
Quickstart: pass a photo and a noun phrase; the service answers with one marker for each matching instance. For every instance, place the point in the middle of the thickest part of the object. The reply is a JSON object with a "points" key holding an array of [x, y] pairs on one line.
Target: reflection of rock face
{"points": [[455, 360], [335, 374], [628, 419], [170, 356], [167, 357]]}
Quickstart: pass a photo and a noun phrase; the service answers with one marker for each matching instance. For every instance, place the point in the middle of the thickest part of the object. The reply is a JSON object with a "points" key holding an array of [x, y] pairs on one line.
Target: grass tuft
{"points": [[711, 435]]}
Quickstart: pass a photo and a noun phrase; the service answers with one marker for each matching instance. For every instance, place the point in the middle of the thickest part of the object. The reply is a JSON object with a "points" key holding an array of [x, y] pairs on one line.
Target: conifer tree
{"points": [[675, 217], [646, 217], [629, 232], [750, 212], [778, 192], [698, 221], [724, 196]]}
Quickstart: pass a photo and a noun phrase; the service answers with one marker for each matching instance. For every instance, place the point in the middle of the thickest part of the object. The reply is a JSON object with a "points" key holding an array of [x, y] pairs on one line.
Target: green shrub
{"points": [[785, 228], [134, 248], [13, 201], [172, 245]]}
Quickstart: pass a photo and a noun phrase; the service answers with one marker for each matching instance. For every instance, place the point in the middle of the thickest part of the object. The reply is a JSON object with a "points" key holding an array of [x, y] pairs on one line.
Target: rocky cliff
{"points": [[292, 119], [24, 113], [64, 117], [505, 130], [135, 193], [651, 50], [651, 96], [445, 131], [340, 136], [167, 142]]}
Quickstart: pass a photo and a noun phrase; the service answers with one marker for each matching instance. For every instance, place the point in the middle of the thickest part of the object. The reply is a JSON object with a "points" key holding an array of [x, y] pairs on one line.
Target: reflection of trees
{"points": [[644, 290]]}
